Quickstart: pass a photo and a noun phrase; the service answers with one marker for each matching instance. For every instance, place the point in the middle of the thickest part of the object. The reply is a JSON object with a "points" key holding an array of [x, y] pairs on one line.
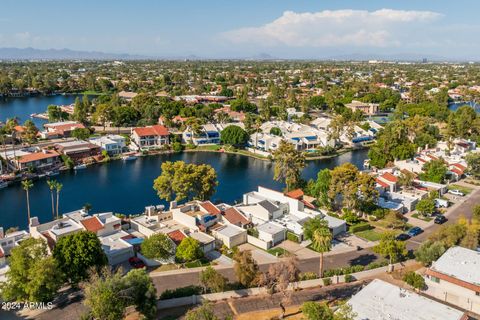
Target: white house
{"points": [[380, 300], [455, 278], [230, 235], [114, 144]]}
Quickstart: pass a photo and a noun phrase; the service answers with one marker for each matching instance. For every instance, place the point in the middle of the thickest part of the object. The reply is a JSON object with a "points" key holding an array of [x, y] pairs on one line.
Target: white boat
{"points": [[52, 173], [80, 167], [129, 158]]}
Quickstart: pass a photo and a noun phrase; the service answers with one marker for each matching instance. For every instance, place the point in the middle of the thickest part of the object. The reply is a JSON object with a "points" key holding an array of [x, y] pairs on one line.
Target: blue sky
{"points": [[214, 28]]}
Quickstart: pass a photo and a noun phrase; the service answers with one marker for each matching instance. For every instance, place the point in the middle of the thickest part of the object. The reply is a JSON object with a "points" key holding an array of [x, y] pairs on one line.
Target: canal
{"points": [[126, 187]]}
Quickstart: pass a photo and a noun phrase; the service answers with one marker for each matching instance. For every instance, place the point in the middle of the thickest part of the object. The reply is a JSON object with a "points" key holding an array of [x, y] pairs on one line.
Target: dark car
{"points": [[403, 237], [136, 263], [440, 219], [415, 231]]}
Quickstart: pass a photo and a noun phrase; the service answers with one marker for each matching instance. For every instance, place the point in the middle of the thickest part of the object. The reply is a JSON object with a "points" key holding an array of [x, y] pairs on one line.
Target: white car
{"points": [[456, 192]]}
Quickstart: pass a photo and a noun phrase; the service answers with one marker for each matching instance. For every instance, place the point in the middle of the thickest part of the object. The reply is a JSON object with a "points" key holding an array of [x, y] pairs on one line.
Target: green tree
{"points": [[79, 111], [391, 248], [189, 250], [204, 312], [434, 171], [33, 275], [51, 185], [181, 181], [158, 246], [81, 133], [476, 213], [276, 131], [234, 135], [27, 185], [426, 207], [322, 242], [316, 311], [58, 188], [415, 280], [429, 251], [77, 253], [141, 292], [245, 268], [289, 164], [212, 280], [31, 131], [320, 188], [473, 164]]}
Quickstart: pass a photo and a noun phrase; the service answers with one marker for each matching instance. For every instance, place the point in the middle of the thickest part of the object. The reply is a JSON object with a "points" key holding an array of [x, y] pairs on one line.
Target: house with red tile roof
{"points": [[42, 160], [388, 181], [233, 216], [60, 129], [150, 137]]}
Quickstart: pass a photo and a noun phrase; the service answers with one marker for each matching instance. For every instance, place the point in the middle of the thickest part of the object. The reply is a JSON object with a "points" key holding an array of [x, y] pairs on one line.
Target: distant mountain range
{"points": [[67, 54], [62, 54]]}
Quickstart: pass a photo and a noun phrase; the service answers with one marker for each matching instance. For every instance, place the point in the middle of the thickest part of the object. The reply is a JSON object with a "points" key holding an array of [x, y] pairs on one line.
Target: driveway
{"points": [[219, 258], [258, 254]]}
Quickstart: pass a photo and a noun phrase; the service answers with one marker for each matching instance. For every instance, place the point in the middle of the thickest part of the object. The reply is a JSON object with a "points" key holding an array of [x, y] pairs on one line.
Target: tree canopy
{"points": [[234, 135], [189, 250], [157, 246]]}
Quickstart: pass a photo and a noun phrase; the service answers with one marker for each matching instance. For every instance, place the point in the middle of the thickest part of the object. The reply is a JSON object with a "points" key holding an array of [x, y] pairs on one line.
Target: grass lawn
{"points": [[166, 267], [213, 147], [197, 263], [93, 93], [460, 188], [278, 251], [421, 217], [369, 235]]}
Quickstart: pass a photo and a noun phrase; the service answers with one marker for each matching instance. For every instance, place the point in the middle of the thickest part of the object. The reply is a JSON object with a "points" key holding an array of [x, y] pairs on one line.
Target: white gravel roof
{"points": [[380, 300], [460, 263]]}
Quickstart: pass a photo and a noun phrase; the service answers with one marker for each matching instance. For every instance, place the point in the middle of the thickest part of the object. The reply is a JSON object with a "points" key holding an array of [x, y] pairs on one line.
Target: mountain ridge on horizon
{"points": [[29, 53]]}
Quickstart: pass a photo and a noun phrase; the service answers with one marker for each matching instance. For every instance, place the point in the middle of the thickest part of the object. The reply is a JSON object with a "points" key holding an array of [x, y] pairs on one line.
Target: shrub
{"points": [[375, 265], [415, 280], [308, 276], [315, 311], [181, 292], [327, 281], [349, 278], [177, 147], [360, 227], [292, 237]]}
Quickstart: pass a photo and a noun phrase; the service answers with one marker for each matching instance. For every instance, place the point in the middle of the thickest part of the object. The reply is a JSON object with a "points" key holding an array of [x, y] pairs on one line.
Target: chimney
{"points": [[173, 204], [34, 221], [150, 211], [2, 234]]}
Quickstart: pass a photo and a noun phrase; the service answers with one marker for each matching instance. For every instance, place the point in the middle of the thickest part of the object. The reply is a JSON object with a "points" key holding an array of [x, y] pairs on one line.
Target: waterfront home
{"points": [[380, 300], [237, 116], [117, 246], [367, 108], [455, 278], [52, 231], [150, 137], [230, 235], [78, 150], [231, 215], [388, 181], [10, 240], [60, 129], [197, 215], [209, 134], [113, 144], [35, 158]]}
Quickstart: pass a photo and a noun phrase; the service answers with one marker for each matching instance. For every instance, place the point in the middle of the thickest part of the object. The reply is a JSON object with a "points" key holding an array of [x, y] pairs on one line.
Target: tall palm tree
{"points": [[27, 184], [322, 242], [58, 188], [3, 139], [51, 186]]}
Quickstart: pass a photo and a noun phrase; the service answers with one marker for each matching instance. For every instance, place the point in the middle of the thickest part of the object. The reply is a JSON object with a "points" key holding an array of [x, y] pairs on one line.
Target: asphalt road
{"points": [[168, 280]]}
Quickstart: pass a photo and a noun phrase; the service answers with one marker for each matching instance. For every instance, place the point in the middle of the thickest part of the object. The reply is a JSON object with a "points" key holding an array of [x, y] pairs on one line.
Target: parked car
{"points": [[456, 192], [415, 231], [440, 219], [403, 237], [136, 263], [441, 203]]}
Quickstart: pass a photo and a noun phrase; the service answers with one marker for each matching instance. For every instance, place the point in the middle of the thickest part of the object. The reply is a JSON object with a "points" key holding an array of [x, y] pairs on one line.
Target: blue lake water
{"points": [[455, 105], [22, 108], [126, 187]]}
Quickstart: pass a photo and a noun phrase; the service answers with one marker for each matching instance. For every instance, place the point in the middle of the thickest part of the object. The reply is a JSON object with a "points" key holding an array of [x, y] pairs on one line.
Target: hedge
{"points": [[292, 237], [181, 292], [360, 227]]}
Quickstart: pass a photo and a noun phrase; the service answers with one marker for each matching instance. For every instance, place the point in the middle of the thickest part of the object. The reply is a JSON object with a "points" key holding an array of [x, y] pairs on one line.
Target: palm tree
{"points": [[51, 186], [289, 163], [58, 188], [27, 184], [322, 242], [3, 139]]}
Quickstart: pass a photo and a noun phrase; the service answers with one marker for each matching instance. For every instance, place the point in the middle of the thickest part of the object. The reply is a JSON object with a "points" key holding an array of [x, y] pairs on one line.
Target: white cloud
{"points": [[360, 28]]}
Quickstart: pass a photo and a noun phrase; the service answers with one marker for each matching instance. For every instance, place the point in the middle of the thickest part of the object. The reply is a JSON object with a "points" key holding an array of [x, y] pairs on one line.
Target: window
{"points": [[435, 279]]}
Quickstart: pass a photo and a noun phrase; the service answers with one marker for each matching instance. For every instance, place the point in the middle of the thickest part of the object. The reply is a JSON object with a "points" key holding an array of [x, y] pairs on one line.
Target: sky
{"points": [[299, 29]]}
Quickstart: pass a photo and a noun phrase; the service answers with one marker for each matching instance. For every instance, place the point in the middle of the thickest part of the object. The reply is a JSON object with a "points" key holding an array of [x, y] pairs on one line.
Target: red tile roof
{"points": [[92, 224], [389, 177], [383, 184], [156, 130], [2, 253], [45, 154], [177, 236], [234, 216], [295, 194], [457, 171], [210, 207], [459, 166]]}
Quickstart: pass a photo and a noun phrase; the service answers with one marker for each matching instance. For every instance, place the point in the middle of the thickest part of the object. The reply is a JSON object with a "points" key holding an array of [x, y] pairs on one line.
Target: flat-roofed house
{"points": [[455, 278], [78, 150], [150, 137], [230, 235], [113, 144], [380, 300], [367, 108]]}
